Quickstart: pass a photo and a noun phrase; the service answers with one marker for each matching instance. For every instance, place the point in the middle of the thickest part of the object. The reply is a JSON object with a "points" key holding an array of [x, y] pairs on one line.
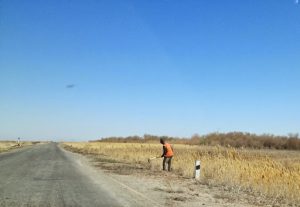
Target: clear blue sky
{"points": [[163, 67]]}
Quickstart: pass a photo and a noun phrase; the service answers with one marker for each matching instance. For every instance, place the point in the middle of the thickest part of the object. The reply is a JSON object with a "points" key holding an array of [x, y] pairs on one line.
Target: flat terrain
{"points": [[229, 176], [48, 175], [45, 175], [10, 145]]}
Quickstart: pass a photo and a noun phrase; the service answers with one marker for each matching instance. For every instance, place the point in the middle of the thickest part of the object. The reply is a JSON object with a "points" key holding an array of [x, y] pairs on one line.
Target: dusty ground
{"points": [[159, 188]]}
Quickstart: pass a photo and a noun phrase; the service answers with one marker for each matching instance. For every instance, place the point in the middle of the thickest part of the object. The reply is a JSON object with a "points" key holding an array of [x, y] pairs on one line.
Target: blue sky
{"points": [[163, 67]]}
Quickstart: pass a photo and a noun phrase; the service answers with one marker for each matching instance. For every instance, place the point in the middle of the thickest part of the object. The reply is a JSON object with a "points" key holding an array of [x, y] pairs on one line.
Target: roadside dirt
{"points": [[153, 187]]}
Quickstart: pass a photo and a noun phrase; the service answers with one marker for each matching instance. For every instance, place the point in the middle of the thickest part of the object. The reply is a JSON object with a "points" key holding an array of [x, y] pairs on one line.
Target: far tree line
{"points": [[231, 139]]}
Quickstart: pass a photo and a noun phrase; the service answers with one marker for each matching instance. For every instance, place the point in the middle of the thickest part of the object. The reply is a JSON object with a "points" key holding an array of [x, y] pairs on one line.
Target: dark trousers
{"points": [[167, 161]]}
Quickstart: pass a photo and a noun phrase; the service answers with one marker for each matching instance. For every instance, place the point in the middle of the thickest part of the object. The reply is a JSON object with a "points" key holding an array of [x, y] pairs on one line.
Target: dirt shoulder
{"points": [[158, 188]]}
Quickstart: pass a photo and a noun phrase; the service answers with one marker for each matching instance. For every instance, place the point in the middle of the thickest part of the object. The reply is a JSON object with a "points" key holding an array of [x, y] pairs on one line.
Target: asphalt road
{"points": [[44, 176]]}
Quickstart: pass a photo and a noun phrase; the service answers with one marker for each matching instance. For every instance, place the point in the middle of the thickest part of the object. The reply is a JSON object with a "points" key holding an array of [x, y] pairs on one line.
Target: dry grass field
{"points": [[274, 174], [7, 145]]}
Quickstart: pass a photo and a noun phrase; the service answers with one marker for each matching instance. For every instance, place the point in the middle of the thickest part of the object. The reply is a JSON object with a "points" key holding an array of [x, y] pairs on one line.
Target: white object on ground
{"points": [[197, 169]]}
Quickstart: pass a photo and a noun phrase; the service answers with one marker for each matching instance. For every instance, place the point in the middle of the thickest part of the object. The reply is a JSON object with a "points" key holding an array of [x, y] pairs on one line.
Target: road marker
{"points": [[197, 169]]}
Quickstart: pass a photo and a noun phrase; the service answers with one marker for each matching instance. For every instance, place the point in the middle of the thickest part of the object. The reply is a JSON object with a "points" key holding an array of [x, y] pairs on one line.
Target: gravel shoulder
{"points": [[125, 194]]}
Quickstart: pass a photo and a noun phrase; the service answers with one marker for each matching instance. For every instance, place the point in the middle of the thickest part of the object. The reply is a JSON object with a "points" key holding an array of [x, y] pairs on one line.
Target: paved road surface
{"points": [[44, 176]]}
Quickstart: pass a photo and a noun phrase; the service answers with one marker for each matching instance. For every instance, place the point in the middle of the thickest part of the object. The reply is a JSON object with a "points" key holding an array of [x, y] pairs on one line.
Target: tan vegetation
{"points": [[274, 174], [8, 145]]}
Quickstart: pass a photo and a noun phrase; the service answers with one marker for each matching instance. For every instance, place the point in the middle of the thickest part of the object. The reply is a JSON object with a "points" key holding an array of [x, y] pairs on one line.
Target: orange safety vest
{"points": [[169, 150]]}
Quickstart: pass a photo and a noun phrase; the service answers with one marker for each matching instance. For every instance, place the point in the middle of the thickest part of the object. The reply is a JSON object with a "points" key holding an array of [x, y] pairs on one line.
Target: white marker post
{"points": [[197, 169]]}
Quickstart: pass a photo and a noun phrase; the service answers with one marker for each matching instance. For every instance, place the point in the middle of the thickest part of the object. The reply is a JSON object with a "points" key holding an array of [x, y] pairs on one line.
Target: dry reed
{"points": [[271, 173]]}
